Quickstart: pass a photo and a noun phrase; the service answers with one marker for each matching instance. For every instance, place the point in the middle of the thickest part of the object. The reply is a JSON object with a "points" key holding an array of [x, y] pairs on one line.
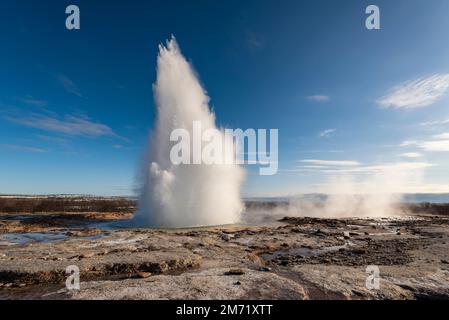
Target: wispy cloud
{"points": [[435, 145], [354, 167], [254, 41], [32, 101], [417, 93], [69, 125], [435, 123], [68, 85], [23, 148], [408, 143], [51, 139], [318, 98], [327, 133], [438, 143], [391, 167], [321, 151], [442, 136], [411, 155], [339, 163]]}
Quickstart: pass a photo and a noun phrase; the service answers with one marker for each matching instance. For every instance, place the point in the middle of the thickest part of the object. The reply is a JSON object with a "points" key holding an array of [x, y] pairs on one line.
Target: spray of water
{"points": [[184, 195]]}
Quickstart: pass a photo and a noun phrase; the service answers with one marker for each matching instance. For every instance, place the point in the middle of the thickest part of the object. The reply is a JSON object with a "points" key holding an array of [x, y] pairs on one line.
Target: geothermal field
{"points": [[224, 150], [284, 258]]}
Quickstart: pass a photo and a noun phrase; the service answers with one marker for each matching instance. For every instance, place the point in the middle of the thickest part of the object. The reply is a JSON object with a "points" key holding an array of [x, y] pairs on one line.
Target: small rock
{"points": [[87, 255], [322, 232], [346, 235], [144, 274], [234, 272], [284, 244], [237, 283], [358, 251], [445, 261], [264, 268], [226, 237]]}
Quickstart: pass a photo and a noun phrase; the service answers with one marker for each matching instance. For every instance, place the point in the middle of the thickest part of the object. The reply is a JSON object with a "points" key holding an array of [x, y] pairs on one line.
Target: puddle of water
{"points": [[10, 239], [28, 237], [111, 225], [19, 217]]}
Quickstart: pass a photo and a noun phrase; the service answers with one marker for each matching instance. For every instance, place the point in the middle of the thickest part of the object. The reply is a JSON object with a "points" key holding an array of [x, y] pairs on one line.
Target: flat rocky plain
{"points": [[291, 258]]}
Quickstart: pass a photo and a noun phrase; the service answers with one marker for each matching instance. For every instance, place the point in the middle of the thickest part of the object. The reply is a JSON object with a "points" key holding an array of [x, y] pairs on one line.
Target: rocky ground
{"points": [[294, 258]]}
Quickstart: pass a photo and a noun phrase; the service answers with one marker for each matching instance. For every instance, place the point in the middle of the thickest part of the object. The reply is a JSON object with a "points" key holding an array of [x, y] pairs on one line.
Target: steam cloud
{"points": [[184, 195], [371, 192]]}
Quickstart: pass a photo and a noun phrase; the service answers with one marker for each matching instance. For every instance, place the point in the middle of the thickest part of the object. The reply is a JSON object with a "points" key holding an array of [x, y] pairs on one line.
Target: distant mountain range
{"points": [[426, 197], [406, 198]]}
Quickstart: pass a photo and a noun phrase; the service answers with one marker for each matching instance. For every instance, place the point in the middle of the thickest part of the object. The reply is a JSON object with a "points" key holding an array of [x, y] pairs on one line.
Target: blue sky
{"points": [[76, 106]]}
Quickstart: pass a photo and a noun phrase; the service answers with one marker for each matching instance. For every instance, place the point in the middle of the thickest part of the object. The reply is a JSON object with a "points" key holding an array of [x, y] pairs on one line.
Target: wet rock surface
{"points": [[295, 258]]}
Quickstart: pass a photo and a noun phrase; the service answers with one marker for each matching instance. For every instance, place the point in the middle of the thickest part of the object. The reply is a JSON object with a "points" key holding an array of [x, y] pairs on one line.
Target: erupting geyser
{"points": [[184, 195]]}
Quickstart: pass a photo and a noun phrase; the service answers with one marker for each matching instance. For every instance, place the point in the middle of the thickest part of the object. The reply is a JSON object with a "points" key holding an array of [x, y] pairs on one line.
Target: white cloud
{"points": [[399, 166], [319, 98], [411, 155], [51, 139], [325, 163], [70, 125], [435, 145], [254, 41], [417, 93], [408, 143], [314, 167], [435, 123], [23, 148], [366, 169], [353, 167], [442, 136], [33, 102], [69, 85], [327, 133]]}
